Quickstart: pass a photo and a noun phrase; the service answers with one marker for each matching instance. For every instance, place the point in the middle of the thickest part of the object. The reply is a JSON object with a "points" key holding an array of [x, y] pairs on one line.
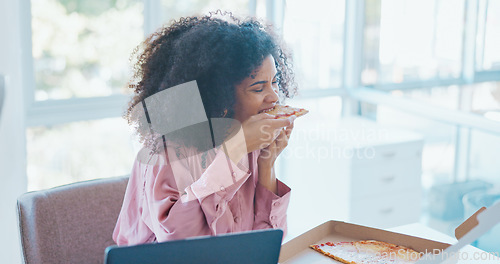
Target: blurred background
{"points": [[404, 100]]}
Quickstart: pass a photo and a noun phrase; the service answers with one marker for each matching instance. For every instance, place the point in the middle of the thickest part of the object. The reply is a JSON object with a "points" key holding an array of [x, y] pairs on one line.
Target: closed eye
{"points": [[258, 90], [275, 80]]}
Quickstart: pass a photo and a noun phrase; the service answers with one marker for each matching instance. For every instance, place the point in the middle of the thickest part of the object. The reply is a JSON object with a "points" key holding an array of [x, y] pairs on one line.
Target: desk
{"points": [[469, 254]]}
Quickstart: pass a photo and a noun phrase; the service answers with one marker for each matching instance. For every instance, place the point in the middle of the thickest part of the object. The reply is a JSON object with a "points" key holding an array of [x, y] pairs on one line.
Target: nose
{"points": [[272, 95]]}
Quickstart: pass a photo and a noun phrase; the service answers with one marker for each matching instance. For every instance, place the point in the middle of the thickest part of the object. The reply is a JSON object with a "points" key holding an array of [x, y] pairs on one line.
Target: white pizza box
{"points": [[297, 250]]}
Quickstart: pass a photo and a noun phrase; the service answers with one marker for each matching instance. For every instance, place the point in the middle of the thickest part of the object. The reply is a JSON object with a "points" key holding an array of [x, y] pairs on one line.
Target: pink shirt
{"points": [[194, 194]]}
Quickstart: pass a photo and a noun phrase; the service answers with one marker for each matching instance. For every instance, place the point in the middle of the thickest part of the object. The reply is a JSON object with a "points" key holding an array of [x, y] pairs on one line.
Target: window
{"points": [[432, 67], [485, 148], [80, 58], [412, 40], [315, 36], [480, 98], [415, 49], [488, 58], [172, 9], [79, 151], [81, 48]]}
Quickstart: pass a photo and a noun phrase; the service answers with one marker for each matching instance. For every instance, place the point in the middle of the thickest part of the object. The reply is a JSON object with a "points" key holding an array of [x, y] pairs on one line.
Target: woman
{"points": [[177, 187]]}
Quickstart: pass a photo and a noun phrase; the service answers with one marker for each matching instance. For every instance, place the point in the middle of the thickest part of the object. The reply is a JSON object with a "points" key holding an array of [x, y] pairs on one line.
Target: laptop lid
{"points": [[260, 246]]}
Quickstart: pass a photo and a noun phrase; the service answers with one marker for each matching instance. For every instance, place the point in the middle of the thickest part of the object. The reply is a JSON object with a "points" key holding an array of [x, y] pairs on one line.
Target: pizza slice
{"points": [[285, 111], [367, 252]]}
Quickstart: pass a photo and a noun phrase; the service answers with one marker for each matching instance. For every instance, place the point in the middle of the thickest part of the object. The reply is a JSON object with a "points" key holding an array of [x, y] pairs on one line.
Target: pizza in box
{"points": [[367, 252]]}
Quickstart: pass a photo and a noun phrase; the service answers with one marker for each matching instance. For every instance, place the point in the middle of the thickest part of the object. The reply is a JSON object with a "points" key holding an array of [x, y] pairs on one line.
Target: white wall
{"points": [[12, 132]]}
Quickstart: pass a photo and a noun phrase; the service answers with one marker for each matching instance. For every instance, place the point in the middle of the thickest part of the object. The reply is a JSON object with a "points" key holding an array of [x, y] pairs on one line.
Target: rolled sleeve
{"points": [[223, 178], [270, 208], [216, 187]]}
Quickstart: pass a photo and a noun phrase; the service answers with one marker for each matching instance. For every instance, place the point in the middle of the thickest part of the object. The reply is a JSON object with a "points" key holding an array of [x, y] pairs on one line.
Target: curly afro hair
{"points": [[217, 50]]}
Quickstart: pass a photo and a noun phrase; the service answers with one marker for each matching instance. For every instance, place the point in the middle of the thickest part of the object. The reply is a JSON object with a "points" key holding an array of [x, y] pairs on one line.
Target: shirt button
{"points": [[222, 188], [273, 217], [276, 203], [236, 219], [234, 174]]}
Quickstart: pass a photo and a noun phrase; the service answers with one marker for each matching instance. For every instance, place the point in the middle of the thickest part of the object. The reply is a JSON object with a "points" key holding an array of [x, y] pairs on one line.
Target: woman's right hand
{"points": [[257, 132], [262, 129]]}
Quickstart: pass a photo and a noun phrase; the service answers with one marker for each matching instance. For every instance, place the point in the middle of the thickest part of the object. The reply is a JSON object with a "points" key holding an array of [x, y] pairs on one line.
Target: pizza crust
{"points": [[317, 248]]}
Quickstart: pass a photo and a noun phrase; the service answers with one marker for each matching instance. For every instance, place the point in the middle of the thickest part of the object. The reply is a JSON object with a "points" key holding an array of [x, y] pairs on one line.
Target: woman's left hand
{"points": [[269, 154]]}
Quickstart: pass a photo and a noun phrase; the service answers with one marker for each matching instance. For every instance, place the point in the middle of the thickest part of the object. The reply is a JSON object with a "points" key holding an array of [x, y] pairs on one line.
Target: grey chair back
{"points": [[71, 223]]}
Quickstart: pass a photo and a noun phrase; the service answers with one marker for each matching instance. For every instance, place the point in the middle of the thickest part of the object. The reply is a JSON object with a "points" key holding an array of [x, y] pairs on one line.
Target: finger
{"points": [[268, 152], [282, 140], [276, 123], [279, 131], [275, 136], [263, 116], [265, 153], [289, 130], [273, 146], [264, 145]]}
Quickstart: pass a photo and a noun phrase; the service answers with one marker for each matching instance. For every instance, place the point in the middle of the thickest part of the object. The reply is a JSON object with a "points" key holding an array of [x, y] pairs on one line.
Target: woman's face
{"points": [[258, 92]]}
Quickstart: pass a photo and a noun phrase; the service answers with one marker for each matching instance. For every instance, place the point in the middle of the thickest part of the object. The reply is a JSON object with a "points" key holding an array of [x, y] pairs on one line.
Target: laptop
{"points": [[259, 246]]}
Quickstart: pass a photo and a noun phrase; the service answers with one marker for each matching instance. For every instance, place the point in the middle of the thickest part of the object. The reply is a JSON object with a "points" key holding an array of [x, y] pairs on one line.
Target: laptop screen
{"points": [[260, 246]]}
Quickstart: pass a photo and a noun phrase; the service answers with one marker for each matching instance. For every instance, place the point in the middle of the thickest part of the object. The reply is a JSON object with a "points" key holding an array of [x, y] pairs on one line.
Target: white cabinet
{"points": [[353, 170]]}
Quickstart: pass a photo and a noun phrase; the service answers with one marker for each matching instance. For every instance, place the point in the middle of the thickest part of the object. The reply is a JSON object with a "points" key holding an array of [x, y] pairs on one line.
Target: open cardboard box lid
{"points": [[297, 250], [468, 224]]}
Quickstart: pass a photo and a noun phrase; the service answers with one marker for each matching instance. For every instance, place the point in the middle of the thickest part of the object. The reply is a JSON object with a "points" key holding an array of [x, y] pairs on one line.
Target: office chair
{"points": [[72, 223]]}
